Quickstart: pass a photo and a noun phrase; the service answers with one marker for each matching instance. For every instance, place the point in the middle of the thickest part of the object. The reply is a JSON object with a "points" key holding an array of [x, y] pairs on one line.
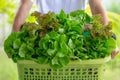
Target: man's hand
{"points": [[114, 53]]}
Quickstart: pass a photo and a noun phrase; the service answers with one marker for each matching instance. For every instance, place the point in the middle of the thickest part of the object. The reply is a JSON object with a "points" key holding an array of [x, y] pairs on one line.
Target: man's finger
{"points": [[114, 53]]}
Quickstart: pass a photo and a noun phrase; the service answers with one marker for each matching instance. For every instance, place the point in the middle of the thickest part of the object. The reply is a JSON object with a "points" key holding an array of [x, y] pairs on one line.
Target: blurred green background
{"points": [[8, 9]]}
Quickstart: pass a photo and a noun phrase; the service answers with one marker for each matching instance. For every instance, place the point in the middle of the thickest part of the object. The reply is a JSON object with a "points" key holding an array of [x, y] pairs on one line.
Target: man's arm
{"points": [[22, 14], [97, 8]]}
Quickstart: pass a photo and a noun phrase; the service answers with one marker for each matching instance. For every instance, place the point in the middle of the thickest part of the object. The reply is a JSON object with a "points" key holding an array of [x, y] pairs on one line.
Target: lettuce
{"points": [[56, 39]]}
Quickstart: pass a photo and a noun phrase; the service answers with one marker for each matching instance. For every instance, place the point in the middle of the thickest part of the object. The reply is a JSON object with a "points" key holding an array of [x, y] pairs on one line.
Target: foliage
{"points": [[8, 7], [115, 19], [56, 38]]}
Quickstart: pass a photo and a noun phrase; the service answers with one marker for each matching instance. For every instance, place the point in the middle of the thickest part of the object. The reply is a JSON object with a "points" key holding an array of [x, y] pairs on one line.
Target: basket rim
{"points": [[90, 61]]}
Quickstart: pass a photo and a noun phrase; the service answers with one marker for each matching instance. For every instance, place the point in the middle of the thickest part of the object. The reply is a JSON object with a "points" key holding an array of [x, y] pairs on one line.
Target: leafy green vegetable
{"points": [[99, 30], [8, 44], [56, 39], [17, 44]]}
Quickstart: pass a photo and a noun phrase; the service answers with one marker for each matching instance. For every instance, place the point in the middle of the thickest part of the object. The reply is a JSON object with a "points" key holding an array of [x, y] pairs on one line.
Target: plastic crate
{"points": [[75, 70]]}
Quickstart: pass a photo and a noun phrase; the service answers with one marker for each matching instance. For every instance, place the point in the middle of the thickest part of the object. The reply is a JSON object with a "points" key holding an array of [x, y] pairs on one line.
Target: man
{"points": [[55, 6]]}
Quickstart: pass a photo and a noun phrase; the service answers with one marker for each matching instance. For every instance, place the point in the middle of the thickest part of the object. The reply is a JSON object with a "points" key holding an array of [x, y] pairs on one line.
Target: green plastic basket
{"points": [[75, 70]]}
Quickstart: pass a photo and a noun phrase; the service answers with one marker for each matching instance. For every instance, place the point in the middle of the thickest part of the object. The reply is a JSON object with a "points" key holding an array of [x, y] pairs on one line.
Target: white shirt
{"points": [[56, 5]]}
